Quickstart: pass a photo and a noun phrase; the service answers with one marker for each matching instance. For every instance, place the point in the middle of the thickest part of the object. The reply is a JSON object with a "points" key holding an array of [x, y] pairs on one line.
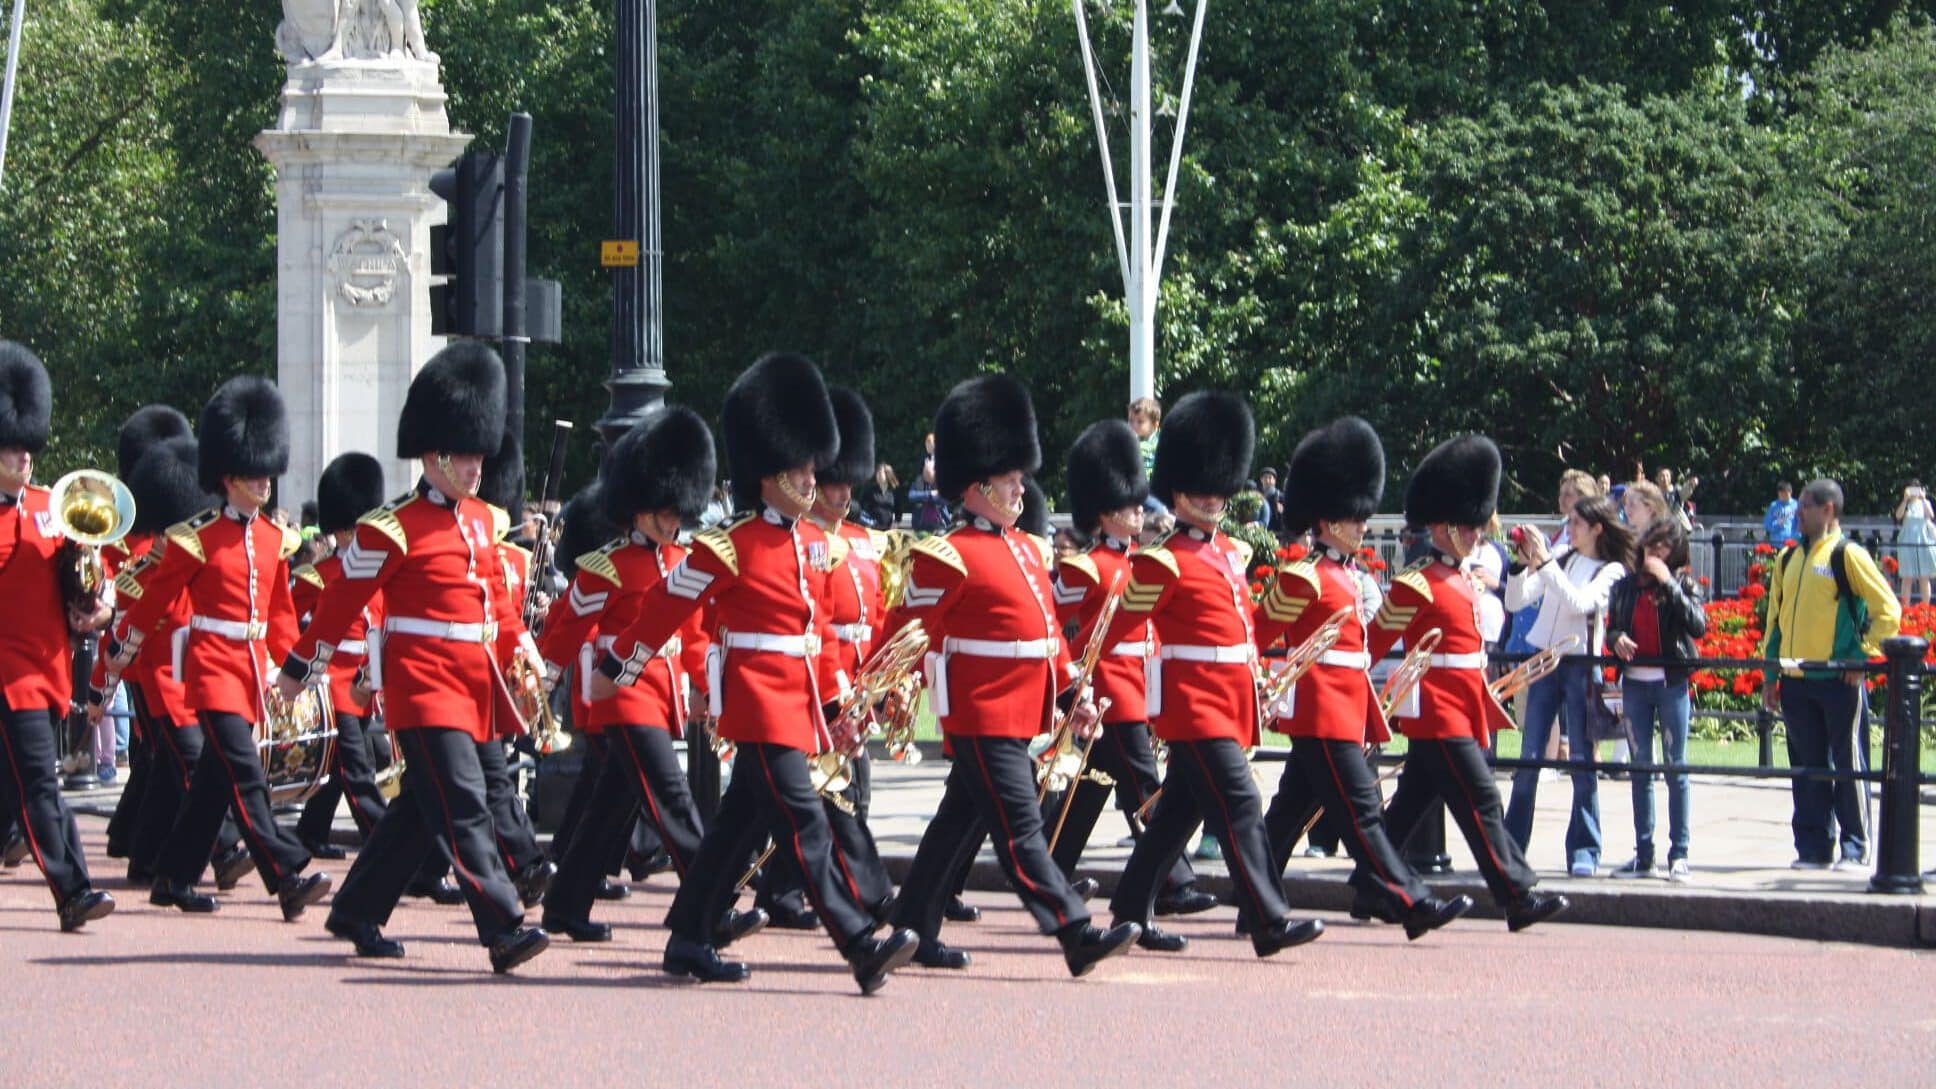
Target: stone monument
{"points": [[361, 130]]}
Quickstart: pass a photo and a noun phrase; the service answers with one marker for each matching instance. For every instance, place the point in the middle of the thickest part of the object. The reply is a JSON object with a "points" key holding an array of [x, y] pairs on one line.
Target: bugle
{"points": [[1532, 669]]}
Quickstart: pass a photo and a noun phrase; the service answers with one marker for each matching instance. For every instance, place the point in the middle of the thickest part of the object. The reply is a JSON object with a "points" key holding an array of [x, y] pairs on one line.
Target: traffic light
{"points": [[469, 248]]}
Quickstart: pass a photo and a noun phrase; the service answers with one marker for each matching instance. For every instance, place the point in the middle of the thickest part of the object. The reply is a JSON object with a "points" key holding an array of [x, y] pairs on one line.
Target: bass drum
{"points": [[297, 745]]}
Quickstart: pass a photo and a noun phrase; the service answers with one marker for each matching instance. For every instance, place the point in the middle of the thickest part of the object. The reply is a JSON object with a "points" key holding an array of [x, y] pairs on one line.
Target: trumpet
{"points": [[534, 707], [94, 509], [1300, 661], [1409, 672], [1532, 669]]}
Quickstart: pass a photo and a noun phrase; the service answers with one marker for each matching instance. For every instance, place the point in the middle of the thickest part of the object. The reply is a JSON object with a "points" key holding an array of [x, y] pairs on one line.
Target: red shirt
{"points": [[35, 659], [1082, 585], [352, 653], [606, 595], [1332, 701], [857, 604], [1646, 625], [1453, 701]]}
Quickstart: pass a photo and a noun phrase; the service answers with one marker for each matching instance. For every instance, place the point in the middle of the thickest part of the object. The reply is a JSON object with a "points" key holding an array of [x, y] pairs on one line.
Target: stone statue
{"points": [[327, 30]]}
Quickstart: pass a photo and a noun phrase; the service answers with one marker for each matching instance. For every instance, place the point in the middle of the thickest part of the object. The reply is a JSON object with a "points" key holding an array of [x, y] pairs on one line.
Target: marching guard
{"points": [[1335, 481], [998, 669], [1448, 724], [231, 563], [772, 673], [36, 668], [433, 555]]}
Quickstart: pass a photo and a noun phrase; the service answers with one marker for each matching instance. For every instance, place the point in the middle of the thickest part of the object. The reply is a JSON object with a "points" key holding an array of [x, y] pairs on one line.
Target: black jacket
{"points": [[1682, 619]]}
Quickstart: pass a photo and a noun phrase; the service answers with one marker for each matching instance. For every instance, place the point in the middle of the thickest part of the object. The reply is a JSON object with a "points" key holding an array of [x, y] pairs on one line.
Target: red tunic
{"points": [[1082, 584], [997, 659], [235, 575], [35, 659], [1202, 683], [766, 576], [437, 565], [1453, 700], [858, 603], [1334, 700], [606, 595], [153, 668], [306, 590]]}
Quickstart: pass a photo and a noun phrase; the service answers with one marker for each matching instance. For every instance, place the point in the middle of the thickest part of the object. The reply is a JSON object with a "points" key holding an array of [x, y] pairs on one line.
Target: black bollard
{"points": [[1897, 861], [1765, 736]]}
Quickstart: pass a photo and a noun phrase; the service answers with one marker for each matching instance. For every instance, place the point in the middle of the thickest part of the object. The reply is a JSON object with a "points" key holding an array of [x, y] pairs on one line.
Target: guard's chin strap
{"points": [[1013, 511], [793, 494], [450, 477], [1197, 514]]}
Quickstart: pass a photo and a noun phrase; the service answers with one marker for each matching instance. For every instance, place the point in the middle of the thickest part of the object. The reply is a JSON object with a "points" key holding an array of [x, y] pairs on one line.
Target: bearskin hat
{"points": [[502, 485], [776, 417], [1105, 473], [665, 462], [351, 486], [985, 428], [166, 485], [455, 404], [1457, 483], [244, 432], [582, 528], [1204, 448], [1336, 474], [855, 463], [145, 427], [26, 398], [1034, 519]]}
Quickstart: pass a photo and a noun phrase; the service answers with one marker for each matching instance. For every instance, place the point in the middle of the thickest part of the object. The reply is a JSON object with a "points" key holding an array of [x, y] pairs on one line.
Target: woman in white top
{"points": [[1571, 586]]}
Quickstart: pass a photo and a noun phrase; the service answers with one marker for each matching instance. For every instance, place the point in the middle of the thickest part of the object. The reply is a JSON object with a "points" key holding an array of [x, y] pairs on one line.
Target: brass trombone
{"points": [[1061, 765], [1532, 669], [1299, 662], [1409, 672]]}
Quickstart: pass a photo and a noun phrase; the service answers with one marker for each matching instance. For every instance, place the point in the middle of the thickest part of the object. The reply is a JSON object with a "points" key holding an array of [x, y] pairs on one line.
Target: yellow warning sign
{"points": [[620, 254]]}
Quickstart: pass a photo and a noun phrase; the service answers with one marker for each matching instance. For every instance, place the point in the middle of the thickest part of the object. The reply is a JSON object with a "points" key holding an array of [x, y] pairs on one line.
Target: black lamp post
{"points": [[638, 380]]}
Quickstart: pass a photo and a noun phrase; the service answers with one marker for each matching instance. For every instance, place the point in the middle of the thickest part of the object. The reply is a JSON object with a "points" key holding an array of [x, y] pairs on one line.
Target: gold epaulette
{"points": [[1158, 551], [1082, 563], [600, 563], [880, 541], [1413, 578], [291, 541], [127, 584], [938, 548], [308, 573], [500, 521], [1244, 552], [719, 541], [384, 520], [1046, 547], [837, 550], [187, 536]]}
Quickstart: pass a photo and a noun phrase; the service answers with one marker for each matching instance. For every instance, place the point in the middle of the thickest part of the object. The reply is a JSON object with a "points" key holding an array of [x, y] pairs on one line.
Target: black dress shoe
{"points": [[328, 852], [1087, 946], [737, 925], [685, 957], [15, 851], [612, 890], [1431, 913], [874, 958], [369, 940], [1185, 901], [934, 954], [579, 930], [782, 916], [1085, 887], [174, 894], [440, 891], [1162, 941], [1285, 933], [520, 945], [644, 866], [1532, 908], [960, 911], [298, 891], [231, 867], [83, 908], [534, 881], [1366, 909]]}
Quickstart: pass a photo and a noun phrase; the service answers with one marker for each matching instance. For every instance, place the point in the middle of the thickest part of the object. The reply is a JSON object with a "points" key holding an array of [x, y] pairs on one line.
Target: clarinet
{"points": [[542, 548]]}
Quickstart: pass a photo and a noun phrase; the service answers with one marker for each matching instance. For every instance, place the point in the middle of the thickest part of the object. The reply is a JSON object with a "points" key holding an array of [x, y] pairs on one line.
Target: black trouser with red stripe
{"points": [[1209, 784], [770, 795], [30, 793], [353, 775], [441, 812], [229, 773], [177, 753], [641, 774], [991, 786], [1332, 778], [141, 758], [1455, 770], [856, 853], [1124, 754], [516, 839]]}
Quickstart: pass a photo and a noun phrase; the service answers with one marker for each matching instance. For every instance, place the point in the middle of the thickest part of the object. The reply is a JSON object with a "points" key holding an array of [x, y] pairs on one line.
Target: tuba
{"points": [[94, 509]]}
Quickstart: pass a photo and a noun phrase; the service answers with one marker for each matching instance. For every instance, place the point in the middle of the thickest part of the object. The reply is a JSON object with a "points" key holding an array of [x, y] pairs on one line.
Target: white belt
{"points": [[793, 646], [1475, 660], [853, 633], [1183, 652], [1031, 649], [454, 630], [238, 630], [1349, 659], [1131, 650], [353, 647]]}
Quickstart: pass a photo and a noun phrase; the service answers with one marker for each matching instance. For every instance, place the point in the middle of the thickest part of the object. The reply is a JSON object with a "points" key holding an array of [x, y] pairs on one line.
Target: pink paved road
{"points": [[148, 998]]}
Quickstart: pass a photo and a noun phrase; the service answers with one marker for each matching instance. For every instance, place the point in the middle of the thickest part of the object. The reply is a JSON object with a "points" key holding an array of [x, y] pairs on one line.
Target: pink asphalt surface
{"points": [[151, 997]]}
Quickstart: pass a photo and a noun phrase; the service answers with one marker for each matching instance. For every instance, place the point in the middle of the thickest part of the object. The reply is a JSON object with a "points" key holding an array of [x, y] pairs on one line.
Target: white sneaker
{"points": [[1678, 873], [1636, 868], [1583, 869], [1805, 864], [1850, 865]]}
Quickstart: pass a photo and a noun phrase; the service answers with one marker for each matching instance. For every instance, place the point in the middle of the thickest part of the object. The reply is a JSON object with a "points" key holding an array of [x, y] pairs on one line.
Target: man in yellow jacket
{"points": [[1827, 601]]}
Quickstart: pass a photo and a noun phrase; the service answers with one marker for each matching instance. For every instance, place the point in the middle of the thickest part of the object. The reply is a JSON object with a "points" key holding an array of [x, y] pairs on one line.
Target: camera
{"points": [[1518, 535], [1913, 493]]}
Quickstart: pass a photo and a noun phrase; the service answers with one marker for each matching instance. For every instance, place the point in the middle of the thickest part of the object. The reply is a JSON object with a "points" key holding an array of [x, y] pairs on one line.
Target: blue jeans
{"points": [[1663, 704], [1561, 695], [1828, 727]]}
